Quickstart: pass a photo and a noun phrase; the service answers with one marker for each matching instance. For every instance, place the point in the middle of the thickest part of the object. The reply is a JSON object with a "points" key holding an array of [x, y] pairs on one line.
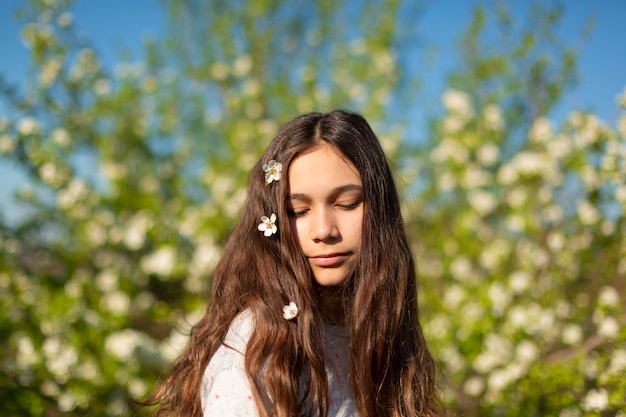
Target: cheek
{"points": [[295, 232], [356, 226]]}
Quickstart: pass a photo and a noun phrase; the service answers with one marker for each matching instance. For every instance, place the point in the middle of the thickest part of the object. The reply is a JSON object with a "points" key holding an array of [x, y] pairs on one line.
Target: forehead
{"points": [[321, 166]]}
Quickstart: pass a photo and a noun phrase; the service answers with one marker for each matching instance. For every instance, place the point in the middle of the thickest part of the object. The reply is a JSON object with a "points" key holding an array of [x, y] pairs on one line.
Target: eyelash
{"points": [[351, 206], [300, 213], [296, 214]]}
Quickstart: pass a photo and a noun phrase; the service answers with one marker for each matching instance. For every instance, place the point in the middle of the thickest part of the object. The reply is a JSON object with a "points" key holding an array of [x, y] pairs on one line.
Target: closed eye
{"points": [[350, 206], [297, 213]]}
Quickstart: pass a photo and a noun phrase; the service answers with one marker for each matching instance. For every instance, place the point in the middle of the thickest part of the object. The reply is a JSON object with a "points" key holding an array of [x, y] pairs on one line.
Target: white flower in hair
{"points": [[272, 171], [290, 311], [268, 225]]}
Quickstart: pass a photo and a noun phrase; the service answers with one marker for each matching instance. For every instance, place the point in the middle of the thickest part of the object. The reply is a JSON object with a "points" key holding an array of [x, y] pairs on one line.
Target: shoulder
{"points": [[233, 348], [225, 381], [240, 331]]}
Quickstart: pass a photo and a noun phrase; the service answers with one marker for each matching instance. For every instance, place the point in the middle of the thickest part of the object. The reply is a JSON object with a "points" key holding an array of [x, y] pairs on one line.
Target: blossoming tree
{"points": [[136, 174]]}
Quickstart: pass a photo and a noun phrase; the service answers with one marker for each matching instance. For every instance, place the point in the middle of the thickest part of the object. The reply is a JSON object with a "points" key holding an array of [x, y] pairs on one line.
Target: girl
{"points": [[313, 309]]}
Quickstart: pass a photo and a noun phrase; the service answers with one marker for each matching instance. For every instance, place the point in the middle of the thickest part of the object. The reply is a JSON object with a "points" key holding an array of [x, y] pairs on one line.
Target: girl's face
{"points": [[325, 207]]}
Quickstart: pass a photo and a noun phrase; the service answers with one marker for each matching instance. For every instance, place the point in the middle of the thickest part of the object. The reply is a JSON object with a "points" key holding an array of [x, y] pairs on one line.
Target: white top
{"points": [[226, 389]]}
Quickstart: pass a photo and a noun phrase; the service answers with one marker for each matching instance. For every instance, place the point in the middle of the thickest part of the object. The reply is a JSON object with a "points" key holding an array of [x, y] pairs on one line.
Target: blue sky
{"points": [[113, 24]]}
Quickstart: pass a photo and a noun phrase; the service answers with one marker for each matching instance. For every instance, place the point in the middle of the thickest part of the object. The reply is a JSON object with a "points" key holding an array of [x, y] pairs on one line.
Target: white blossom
{"points": [[572, 334], [26, 356], [457, 102], [107, 280], [242, 65], [519, 280], [461, 268], [161, 262], [608, 296], [268, 225], [219, 71], [529, 163], [499, 298], [7, 145], [526, 351], [272, 171], [136, 229], [61, 136], [475, 177], [516, 196], [482, 201], [122, 344], [72, 194], [474, 386], [541, 130], [596, 400], [454, 295], [493, 117], [102, 87], [609, 328], [618, 362], [66, 402], [116, 303], [65, 19], [587, 213], [507, 174], [27, 126], [50, 71], [488, 154]]}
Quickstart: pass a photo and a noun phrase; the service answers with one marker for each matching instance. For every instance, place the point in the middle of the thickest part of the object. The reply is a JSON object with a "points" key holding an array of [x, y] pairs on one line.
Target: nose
{"points": [[324, 227]]}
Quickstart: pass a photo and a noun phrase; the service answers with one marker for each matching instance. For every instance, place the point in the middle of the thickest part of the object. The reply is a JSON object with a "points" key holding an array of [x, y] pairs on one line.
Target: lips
{"points": [[329, 260]]}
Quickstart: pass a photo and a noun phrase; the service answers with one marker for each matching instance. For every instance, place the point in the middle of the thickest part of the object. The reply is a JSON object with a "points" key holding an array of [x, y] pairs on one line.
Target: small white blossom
{"points": [[102, 87], [507, 174], [474, 386], [526, 351], [65, 19], [572, 334], [519, 281], [529, 163], [457, 102], [242, 65], [608, 296], [107, 280], [482, 201], [272, 171], [116, 303], [76, 191], [219, 71], [48, 172], [290, 311], [493, 117], [268, 225], [122, 344], [609, 328], [6, 144], [454, 295], [61, 136], [618, 361], [541, 130], [488, 154], [596, 399], [27, 126], [587, 213], [161, 262], [136, 229]]}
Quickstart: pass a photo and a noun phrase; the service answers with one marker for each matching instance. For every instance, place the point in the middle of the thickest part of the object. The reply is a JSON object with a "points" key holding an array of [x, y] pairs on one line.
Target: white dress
{"points": [[226, 389]]}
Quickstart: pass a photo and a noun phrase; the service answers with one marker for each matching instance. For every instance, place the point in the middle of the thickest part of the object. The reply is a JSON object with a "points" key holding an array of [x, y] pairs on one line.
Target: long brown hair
{"points": [[392, 372]]}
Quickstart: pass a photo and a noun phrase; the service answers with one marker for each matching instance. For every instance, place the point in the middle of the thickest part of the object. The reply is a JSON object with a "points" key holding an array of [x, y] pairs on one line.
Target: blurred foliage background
{"points": [[136, 175]]}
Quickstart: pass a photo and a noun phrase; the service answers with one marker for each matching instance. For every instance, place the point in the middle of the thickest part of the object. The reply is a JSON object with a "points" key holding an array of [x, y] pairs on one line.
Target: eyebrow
{"points": [[335, 192]]}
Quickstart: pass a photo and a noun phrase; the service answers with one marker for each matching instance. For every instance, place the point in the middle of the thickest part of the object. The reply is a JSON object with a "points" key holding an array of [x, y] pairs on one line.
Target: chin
{"points": [[330, 280]]}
